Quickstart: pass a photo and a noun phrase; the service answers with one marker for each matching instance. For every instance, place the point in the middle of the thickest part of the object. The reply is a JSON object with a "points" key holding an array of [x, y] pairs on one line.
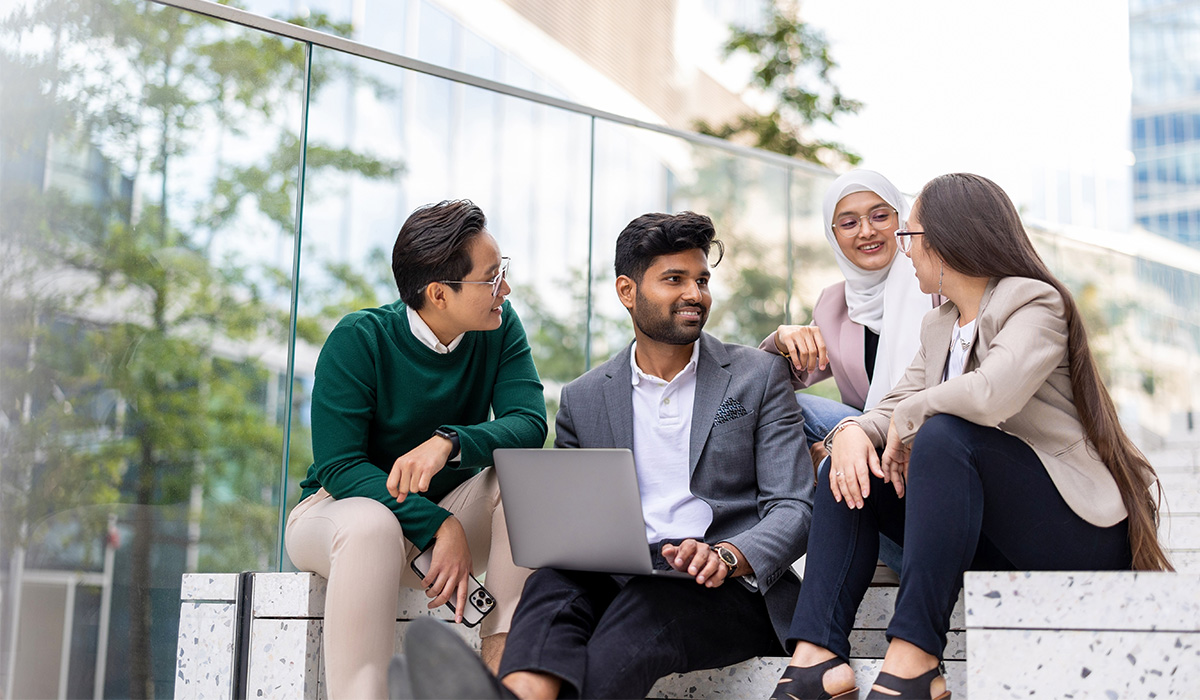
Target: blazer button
{"points": [[910, 425]]}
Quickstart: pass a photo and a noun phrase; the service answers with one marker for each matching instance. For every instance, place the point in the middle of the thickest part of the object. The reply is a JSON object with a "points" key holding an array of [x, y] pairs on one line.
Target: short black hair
{"points": [[432, 246], [652, 235]]}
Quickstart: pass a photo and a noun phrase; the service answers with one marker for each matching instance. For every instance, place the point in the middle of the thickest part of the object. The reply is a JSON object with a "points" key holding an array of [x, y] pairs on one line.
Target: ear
{"points": [[435, 295], [626, 291]]}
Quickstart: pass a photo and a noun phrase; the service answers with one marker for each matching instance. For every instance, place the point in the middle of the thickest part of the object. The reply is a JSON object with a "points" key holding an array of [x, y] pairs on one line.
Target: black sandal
{"points": [[907, 688], [807, 683]]}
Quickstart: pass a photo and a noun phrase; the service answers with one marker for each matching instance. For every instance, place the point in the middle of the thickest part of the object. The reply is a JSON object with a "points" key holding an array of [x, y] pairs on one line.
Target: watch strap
{"points": [[452, 436]]}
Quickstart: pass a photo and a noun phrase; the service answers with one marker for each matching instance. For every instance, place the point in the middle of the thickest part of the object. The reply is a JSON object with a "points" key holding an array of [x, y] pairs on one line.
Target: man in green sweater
{"points": [[401, 442]]}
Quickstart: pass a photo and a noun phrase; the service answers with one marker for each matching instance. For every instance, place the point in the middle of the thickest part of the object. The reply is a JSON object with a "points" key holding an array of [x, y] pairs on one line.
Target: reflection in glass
{"points": [[148, 182]]}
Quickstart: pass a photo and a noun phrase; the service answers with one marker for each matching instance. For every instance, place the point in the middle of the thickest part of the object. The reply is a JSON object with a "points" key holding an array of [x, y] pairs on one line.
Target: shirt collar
{"points": [[422, 332], [638, 375]]}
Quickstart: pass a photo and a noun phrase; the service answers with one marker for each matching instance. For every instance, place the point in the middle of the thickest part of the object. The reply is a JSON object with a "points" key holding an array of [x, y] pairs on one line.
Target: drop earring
{"points": [[941, 274]]}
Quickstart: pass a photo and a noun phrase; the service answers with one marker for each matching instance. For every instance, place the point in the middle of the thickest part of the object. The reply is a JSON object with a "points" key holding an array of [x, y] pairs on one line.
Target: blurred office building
{"points": [[1164, 57]]}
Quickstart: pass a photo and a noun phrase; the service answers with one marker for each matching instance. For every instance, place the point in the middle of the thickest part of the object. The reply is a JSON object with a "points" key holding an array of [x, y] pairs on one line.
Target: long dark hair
{"points": [[973, 227]]}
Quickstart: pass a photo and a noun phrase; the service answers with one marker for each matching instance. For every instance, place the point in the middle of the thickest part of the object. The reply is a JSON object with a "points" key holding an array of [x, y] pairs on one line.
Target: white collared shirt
{"points": [[960, 345], [662, 431], [422, 332]]}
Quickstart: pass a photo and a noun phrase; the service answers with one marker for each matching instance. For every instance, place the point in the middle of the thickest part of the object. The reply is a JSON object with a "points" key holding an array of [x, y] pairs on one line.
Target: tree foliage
{"points": [[135, 179], [792, 64]]}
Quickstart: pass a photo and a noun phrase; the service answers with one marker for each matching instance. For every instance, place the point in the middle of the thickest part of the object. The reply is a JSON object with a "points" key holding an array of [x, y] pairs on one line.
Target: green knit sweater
{"points": [[379, 392]]}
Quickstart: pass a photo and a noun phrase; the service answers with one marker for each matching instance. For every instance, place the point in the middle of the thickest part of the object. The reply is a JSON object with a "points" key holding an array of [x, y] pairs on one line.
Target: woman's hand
{"points": [[851, 464], [895, 460], [448, 574], [412, 471], [803, 346]]}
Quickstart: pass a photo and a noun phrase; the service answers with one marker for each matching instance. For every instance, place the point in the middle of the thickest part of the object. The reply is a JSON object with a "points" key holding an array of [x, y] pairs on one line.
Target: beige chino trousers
{"points": [[359, 546]]}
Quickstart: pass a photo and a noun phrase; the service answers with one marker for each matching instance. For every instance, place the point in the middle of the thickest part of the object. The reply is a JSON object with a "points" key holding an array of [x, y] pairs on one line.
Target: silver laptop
{"points": [[576, 509]]}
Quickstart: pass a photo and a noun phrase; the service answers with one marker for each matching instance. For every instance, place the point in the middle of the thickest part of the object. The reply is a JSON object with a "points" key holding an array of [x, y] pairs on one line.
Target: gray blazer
{"points": [[1015, 378], [749, 463]]}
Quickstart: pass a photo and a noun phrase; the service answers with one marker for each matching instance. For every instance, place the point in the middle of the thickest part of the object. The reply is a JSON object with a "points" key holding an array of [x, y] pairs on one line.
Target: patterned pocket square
{"points": [[730, 409]]}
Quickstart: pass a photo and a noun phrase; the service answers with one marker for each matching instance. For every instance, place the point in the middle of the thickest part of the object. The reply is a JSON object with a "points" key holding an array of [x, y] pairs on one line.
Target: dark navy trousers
{"points": [[609, 636], [976, 498]]}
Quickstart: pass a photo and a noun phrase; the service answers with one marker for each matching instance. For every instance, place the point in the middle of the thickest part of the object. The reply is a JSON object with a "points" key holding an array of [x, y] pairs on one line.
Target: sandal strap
{"points": [[906, 687], [805, 681]]}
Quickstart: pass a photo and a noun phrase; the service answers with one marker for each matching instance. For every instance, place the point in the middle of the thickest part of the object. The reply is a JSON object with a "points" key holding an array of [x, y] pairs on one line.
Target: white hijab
{"points": [[888, 301]]}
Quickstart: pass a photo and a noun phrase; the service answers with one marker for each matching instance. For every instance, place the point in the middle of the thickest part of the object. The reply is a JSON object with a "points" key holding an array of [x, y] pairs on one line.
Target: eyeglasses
{"points": [[904, 239], [495, 281], [880, 220]]}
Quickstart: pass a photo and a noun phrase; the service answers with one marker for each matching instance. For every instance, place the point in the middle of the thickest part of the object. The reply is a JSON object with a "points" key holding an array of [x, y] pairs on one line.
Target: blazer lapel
{"points": [[937, 338], [712, 379], [618, 400]]}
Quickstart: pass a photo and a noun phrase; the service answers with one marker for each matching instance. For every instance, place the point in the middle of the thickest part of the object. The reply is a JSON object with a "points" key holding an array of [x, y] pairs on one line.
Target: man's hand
{"points": [[699, 560], [895, 460], [803, 346], [412, 471], [447, 577], [851, 465]]}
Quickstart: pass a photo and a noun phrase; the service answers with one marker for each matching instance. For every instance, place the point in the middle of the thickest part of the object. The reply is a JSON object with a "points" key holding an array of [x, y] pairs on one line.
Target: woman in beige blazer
{"points": [[1000, 446]]}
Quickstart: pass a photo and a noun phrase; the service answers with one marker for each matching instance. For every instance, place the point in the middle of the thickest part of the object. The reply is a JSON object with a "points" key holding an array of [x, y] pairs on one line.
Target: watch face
{"points": [[726, 556]]}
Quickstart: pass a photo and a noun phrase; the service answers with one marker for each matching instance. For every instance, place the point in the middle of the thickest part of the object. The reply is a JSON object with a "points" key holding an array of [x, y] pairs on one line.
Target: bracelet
{"points": [[828, 441]]}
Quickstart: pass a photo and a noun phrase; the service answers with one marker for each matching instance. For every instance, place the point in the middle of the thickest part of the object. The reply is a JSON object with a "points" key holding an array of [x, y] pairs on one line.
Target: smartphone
{"points": [[479, 601]]}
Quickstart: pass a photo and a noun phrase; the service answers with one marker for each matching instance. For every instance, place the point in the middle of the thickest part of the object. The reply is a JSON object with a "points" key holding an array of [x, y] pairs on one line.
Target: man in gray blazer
{"points": [[726, 485]]}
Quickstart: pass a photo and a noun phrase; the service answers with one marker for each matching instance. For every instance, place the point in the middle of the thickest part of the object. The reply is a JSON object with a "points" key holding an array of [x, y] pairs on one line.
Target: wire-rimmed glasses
{"points": [[495, 281], [880, 219], [904, 239]]}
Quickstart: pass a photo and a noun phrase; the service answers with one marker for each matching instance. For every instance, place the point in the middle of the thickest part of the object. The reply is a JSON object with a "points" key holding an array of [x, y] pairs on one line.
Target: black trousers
{"points": [[612, 636], [976, 498]]}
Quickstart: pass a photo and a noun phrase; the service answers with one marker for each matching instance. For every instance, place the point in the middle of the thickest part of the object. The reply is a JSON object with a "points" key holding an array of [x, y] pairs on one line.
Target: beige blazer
{"points": [[1015, 378]]}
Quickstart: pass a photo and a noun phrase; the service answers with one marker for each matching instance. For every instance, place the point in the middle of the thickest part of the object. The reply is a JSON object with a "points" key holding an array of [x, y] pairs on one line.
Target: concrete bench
{"points": [[278, 653], [1102, 634], [757, 677], [269, 644]]}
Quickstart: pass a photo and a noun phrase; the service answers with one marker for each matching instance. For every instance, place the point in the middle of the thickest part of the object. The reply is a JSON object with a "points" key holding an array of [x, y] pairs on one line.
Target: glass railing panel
{"points": [[406, 139], [148, 183]]}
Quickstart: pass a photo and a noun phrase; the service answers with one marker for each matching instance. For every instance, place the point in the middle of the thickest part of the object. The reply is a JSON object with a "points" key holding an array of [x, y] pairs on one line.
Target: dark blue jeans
{"points": [[976, 498], [612, 636]]}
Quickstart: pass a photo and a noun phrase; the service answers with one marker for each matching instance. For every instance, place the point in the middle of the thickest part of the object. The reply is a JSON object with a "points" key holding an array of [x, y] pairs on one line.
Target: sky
{"points": [[1021, 91]]}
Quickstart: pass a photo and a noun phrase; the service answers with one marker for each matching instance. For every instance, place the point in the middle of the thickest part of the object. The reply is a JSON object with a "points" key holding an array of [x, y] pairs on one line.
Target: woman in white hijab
{"points": [[865, 330]]}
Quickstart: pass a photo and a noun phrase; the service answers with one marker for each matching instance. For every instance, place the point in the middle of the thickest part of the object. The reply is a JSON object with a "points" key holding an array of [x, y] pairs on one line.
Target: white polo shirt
{"points": [[662, 429]]}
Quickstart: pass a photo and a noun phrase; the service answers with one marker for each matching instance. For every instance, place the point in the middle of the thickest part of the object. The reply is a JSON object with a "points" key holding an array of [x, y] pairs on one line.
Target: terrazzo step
{"points": [[1103, 634], [757, 678]]}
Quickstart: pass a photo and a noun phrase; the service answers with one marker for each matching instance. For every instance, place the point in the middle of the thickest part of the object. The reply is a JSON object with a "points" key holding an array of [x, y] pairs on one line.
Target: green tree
{"points": [[123, 327], [793, 65]]}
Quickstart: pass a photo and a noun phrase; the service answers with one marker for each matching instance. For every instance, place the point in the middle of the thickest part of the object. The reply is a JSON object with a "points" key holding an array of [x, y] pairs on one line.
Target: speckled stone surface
{"points": [[879, 603], [208, 587], [1180, 531], [285, 659], [1102, 634], [204, 657], [757, 677], [1108, 600], [1080, 664]]}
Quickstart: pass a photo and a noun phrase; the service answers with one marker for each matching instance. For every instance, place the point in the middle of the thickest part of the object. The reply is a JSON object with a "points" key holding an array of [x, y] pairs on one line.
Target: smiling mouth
{"points": [[872, 247], [690, 312]]}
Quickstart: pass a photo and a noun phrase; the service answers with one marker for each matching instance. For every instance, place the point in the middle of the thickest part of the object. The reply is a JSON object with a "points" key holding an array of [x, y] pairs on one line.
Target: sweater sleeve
{"points": [[343, 405], [518, 404]]}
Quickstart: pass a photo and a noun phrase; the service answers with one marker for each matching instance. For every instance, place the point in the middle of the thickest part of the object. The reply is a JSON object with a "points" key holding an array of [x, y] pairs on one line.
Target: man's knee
{"points": [[371, 525]]}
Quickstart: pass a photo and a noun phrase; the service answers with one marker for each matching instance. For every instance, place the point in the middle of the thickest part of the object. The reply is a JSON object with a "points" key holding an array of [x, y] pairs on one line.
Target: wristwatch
{"points": [[452, 436], [728, 558]]}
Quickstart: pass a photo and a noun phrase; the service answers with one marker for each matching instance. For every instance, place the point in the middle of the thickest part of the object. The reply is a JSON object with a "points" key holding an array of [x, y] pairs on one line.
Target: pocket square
{"points": [[730, 409]]}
